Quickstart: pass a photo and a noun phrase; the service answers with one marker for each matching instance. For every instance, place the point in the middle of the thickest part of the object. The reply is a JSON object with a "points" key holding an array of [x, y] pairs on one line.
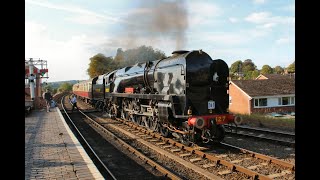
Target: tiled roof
{"points": [[267, 87], [277, 76]]}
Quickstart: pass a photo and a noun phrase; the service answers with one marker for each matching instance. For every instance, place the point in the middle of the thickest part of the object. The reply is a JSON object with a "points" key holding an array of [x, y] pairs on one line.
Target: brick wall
{"points": [[240, 101]]}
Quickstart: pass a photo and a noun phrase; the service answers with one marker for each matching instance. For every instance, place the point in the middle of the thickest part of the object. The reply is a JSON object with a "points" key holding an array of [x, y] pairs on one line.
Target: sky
{"points": [[68, 33]]}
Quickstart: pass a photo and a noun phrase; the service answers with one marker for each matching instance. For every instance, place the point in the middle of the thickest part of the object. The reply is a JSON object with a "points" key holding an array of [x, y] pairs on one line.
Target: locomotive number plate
{"points": [[220, 119], [211, 105]]}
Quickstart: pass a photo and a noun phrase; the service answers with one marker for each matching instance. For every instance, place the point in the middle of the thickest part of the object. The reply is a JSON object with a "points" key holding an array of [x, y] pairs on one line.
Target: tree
{"points": [[278, 70], [236, 67], [119, 58], [100, 64], [141, 54], [65, 87], [251, 74], [54, 91], [47, 86], [266, 69], [291, 68], [248, 65]]}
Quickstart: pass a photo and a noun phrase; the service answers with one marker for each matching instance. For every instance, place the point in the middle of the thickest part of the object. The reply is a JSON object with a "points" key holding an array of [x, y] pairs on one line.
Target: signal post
{"points": [[35, 70]]}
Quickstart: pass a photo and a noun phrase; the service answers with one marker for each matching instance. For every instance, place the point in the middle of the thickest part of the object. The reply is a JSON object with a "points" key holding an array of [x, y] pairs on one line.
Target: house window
{"points": [[292, 100], [285, 101], [260, 102], [230, 98]]}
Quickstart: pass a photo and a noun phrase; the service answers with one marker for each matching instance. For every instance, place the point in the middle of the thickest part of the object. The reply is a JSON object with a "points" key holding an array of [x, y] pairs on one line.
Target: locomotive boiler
{"points": [[185, 95]]}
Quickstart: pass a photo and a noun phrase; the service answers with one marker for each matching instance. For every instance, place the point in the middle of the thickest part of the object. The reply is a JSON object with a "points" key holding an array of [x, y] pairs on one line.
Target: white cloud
{"points": [[202, 13], [230, 55], [267, 25], [90, 15], [258, 32], [260, 17], [67, 60], [259, 1], [267, 18], [284, 40], [290, 7], [138, 11], [230, 39], [224, 39], [83, 19], [233, 20]]}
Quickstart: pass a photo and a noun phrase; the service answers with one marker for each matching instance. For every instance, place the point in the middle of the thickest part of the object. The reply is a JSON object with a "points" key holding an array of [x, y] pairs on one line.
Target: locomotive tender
{"points": [[185, 95]]}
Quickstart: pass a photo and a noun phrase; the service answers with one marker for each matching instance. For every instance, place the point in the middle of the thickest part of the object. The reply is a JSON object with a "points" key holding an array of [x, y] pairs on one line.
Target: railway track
{"points": [[108, 164], [278, 137], [223, 161], [102, 167]]}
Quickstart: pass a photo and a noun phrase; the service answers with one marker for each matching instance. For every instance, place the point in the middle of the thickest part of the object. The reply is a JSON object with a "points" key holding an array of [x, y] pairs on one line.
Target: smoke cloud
{"points": [[156, 19]]}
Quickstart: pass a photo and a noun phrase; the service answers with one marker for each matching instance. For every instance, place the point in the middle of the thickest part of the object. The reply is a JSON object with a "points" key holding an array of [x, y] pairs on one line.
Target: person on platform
{"points": [[47, 97]]}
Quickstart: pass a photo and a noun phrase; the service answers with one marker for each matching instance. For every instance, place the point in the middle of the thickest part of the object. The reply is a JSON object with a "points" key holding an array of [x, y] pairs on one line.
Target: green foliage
{"points": [[47, 86], [266, 69], [251, 74], [100, 64], [236, 67], [246, 69], [258, 120], [291, 68], [138, 55], [278, 70], [233, 76], [248, 65], [65, 87]]}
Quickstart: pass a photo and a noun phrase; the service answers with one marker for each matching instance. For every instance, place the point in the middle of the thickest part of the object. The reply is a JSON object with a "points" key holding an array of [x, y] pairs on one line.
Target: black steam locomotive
{"points": [[185, 95]]}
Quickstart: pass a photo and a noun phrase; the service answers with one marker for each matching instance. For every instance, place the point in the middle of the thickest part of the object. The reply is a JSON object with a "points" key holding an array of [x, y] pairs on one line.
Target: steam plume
{"points": [[155, 19]]}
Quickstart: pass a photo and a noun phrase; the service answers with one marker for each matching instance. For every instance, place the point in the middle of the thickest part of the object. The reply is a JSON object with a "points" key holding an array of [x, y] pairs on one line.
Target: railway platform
{"points": [[52, 151]]}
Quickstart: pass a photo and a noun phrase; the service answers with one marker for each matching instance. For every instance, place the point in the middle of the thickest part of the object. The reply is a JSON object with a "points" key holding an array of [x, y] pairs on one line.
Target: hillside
{"points": [[57, 84]]}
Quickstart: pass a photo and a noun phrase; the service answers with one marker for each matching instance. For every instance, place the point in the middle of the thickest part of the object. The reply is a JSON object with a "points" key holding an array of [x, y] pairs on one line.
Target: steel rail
{"points": [[217, 160], [147, 160], [109, 175], [262, 131], [264, 157], [232, 166]]}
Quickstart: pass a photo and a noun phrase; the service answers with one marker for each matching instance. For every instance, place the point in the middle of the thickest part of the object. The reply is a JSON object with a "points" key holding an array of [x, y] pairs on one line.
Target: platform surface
{"points": [[52, 151]]}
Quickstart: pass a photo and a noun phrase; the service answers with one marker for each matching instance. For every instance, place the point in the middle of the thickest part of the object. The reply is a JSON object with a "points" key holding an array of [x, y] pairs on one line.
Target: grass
{"points": [[263, 121]]}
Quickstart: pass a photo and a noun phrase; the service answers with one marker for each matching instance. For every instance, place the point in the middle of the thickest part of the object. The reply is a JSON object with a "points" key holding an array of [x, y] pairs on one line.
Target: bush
{"points": [[286, 123]]}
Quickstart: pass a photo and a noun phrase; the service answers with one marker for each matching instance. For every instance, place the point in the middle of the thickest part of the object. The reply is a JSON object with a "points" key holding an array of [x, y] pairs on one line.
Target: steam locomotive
{"points": [[184, 95]]}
